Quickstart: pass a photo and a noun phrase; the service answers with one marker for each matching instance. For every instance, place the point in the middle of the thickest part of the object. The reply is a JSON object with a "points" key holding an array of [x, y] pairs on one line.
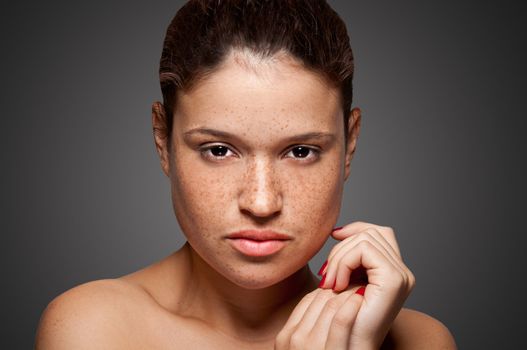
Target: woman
{"points": [[256, 134]]}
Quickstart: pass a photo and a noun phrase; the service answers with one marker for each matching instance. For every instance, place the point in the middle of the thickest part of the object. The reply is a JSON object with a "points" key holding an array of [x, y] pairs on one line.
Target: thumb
{"points": [[342, 232], [338, 234]]}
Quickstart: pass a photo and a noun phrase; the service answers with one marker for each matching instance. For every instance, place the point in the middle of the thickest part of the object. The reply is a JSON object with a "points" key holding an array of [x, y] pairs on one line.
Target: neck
{"points": [[250, 314]]}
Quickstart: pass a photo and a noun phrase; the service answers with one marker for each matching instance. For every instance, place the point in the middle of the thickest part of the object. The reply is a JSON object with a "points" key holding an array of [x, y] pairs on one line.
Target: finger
{"points": [[353, 229], [317, 336], [303, 318], [379, 268], [313, 311], [328, 270], [383, 238], [300, 310], [374, 231], [338, 274], [345, 231], [374, 236], [340, 329], [359, 226], [369, 234]]}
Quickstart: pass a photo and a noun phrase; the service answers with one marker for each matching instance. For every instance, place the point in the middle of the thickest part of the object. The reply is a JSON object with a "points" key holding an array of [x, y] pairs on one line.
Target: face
{"points": [[257, 145]]}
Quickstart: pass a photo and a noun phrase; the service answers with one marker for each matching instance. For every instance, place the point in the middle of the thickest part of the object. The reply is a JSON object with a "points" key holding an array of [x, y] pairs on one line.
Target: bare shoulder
{"points": [[91, 315], [416, 330]]}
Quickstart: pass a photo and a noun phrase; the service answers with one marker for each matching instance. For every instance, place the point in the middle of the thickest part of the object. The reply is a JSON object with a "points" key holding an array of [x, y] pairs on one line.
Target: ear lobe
{"points": [[159, 126], [354, 121]]}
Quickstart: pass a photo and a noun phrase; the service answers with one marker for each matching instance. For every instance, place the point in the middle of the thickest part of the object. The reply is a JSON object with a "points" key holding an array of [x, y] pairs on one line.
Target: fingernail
{"points": [[322, 281], [338, 228], [322, 268], [360, 291]]}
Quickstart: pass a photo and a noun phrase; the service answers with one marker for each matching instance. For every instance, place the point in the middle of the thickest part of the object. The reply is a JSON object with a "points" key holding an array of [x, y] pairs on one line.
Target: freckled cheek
{"points": [[314, 199], [201, 196]]}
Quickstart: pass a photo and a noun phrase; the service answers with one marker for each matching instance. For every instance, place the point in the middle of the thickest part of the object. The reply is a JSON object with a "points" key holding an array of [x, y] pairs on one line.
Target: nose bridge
{"points": [[261, 193]]}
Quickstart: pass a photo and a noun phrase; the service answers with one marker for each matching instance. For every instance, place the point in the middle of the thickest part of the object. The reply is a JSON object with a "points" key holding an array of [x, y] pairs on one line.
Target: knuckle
{"points": [[369, 232], [325, 294], [332, 252], [387, 229], [342, 320], [309, 297], [373, 228], [365, 234], [364, 245], [332, 305], [282, 338], [297, 340], [411, 279], [389, 232], [322, 295], [314, 340], [396, 278], [344, 317], [281, 341]]}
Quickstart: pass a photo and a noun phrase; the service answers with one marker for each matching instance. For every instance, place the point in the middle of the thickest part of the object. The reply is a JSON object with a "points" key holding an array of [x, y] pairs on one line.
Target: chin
{"points": [[255, 282], [260, 276]]}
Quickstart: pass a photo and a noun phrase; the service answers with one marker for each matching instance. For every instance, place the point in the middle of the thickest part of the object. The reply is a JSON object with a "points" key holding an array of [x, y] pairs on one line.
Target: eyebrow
{"points": [[314, 135]]}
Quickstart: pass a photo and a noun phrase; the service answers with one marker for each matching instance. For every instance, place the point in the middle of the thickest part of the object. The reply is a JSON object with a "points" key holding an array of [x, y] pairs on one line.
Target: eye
{"points": [[303, 153], [216, 152]]}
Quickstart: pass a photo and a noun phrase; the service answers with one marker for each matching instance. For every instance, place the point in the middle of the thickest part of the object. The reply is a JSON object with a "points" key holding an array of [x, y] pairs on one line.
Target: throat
{"points": [[240, 313]]}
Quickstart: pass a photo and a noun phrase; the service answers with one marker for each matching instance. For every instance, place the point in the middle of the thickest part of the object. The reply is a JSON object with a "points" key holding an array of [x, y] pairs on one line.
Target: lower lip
{"points": [[250, 247]]}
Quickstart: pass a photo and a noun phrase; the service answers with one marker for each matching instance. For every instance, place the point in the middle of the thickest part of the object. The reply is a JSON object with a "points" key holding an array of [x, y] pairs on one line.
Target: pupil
{"points": [[301, 152], [219, 151]]}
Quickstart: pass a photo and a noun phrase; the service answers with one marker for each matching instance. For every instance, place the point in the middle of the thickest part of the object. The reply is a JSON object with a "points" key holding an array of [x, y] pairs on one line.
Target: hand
{"points": [[322, 320], [373, 249]]}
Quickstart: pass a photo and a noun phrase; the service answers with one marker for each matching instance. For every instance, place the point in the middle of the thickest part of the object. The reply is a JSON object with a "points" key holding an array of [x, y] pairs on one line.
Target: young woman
{"points": [[256, 134]]}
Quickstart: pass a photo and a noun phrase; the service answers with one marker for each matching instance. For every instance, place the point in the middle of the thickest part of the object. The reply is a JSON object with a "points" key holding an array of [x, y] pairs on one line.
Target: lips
{"points": [[259, 235], [258, 243]]}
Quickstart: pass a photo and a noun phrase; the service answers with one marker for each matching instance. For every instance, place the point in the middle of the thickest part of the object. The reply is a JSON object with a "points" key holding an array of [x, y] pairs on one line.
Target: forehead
{"points": [[253, 91]]}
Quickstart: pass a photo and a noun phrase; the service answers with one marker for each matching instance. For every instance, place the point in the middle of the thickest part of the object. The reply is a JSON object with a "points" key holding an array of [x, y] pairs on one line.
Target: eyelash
{"points": [[205, 152], [313, 155]]}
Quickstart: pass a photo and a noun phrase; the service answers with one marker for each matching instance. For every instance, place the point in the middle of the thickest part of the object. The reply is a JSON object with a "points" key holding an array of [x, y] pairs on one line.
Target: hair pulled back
{"points": [[203, 32]]}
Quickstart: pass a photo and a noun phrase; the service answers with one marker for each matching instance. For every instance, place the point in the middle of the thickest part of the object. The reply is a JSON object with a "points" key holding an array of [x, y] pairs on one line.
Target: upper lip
{"points": [[257, 235]]}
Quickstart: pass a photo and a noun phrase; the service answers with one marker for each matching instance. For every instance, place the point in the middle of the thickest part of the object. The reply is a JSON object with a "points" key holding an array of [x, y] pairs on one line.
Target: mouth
{"points": [[258, 243]]}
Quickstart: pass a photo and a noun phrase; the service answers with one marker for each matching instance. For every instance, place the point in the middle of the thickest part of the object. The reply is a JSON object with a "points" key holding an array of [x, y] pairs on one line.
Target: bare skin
{"points": [[140, 311], [233, 162]]}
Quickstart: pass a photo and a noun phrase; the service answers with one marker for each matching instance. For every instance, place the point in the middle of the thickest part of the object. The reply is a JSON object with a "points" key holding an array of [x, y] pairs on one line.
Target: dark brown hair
{"points": [[203, 32]]}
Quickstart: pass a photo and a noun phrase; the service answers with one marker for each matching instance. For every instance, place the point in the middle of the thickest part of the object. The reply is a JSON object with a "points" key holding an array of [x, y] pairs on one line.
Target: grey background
{"points": [[442, 88]]}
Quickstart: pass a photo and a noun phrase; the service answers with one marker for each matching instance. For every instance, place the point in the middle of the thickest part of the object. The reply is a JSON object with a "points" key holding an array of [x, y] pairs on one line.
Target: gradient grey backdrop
{"points": [[442, 89]]}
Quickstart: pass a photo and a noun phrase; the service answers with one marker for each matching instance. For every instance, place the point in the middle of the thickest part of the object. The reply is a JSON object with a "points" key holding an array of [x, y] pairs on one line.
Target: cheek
{"points": [[200, 194], [313, 202]]}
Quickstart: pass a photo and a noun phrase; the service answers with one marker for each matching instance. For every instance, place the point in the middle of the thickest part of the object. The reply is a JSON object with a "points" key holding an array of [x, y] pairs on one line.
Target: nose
{"points": [[260, 193]]}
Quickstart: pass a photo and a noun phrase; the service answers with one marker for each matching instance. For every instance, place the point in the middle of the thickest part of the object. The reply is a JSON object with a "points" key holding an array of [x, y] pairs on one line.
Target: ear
{"points": [[354, 121], [159, 125]]}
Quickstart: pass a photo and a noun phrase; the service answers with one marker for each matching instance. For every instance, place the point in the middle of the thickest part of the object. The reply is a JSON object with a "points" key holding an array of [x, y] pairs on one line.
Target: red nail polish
{"points": [[322, 281], [361, 290], [322, 268], [338, 228]]}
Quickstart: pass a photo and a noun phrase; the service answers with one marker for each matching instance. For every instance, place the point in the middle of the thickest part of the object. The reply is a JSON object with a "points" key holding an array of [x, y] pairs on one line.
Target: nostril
{"points": [[261, 204], [261, 201]]}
